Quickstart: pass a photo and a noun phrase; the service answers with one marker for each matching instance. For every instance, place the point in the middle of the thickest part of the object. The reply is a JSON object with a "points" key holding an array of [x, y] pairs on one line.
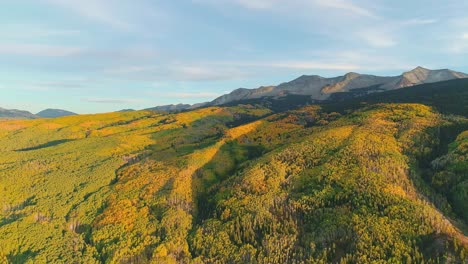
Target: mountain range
{"points": [[21, 114], [319, 88], [312, 87], [14, 114]]}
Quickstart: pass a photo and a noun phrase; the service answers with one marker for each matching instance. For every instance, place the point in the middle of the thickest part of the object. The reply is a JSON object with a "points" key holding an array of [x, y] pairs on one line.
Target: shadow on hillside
{"points": [[446, 135], [449, 97], [46, 145], [22, 257], [10, 219], [231, 157]]}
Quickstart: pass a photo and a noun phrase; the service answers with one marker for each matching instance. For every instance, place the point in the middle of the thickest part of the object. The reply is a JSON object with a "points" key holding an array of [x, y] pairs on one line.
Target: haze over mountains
{"points": [[315, 87], [14, 113], [321, 88], [52, 113], [21, 114]]}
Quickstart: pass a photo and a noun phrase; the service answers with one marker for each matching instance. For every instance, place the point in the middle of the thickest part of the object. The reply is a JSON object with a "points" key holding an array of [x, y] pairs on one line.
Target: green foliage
{"points": [[235, 184]]}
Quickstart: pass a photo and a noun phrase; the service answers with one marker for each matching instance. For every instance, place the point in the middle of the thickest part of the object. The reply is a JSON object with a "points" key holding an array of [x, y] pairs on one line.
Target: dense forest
{"points": [[370, 180]]}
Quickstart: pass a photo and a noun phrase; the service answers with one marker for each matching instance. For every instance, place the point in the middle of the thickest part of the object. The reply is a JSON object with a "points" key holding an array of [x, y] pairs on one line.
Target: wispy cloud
{"points": [[377, 38], [311, 65], [419, 21], [280, 5], [39, 50], [458, 44], [258, 4], [59, 85], [198, 73], [102, 11], [287, 65], [248, 4], [346, 5], [34, 31], [111, 100], [185, 95], [123, 70], [176, 72]]}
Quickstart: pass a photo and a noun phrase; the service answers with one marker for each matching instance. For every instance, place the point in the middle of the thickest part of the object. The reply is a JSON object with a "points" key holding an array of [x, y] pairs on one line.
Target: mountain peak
{"points": [[419, 69], [352, 75]]}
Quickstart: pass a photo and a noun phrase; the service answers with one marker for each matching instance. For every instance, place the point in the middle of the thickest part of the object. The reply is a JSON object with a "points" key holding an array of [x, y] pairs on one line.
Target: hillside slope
{"points": [[236, 184], [15, 114]]}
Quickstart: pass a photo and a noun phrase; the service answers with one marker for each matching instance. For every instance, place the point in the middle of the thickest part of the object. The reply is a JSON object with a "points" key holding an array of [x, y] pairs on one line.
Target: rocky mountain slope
{"points": [[320, 88]]}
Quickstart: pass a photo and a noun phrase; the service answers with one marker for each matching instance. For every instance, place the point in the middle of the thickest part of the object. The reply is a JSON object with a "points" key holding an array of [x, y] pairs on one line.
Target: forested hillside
{"points": [[375, 182]]}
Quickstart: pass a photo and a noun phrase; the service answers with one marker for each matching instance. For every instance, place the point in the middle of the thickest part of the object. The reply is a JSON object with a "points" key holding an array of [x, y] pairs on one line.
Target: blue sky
{"points": [[104, 55]]}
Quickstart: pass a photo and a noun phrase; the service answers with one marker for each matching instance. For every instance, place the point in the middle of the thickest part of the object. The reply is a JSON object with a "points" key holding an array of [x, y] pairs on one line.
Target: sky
{"points": [[92, 56]]}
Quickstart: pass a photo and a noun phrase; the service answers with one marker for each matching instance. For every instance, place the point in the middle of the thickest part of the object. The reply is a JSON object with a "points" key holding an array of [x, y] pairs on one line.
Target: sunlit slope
{"points": [[231, 185], [55, 174]]}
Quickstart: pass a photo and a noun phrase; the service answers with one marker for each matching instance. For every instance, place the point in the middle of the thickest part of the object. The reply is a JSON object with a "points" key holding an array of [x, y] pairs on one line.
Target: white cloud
{"points": [[186, 95], [346, 5], [201, 73], [128, 70], [459, 44], [31, 31], [111, 100], [419, 21], [257, 4], [298, 5], [176, 72], [311, 65], [248, 4], [59, 85], [371, 60], [39, 50], [289, 65], [102, 11], [377, 39]]}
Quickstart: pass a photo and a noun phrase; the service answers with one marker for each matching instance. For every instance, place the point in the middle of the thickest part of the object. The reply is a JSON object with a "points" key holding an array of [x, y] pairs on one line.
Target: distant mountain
{"points": [[320, 88], [16, 114], [177, 107], [52, 113], [171, 107]]}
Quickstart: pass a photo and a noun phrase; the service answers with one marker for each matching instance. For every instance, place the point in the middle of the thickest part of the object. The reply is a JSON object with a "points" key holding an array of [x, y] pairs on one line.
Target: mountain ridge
{"points": [[321, 88], [15, 113], [23, 114]]}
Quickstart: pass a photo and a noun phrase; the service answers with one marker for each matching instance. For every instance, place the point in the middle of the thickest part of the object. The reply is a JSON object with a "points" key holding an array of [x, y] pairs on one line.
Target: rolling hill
{"points": [[379, 178], [15, 114], [52, 113]]}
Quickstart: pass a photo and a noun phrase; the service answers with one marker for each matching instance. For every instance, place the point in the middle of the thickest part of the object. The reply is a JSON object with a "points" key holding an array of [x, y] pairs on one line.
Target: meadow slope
{"points": [[241, 184]]}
